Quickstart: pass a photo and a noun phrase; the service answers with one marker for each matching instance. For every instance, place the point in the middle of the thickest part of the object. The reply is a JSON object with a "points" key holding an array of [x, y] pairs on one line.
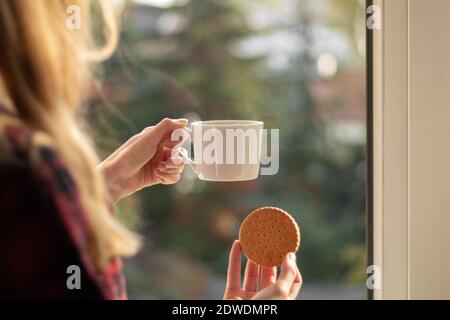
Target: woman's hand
{"points": [[286, 287], [144, 160]]}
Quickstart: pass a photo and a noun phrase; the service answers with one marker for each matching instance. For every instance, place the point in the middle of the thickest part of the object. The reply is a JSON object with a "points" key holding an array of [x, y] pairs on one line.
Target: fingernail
{"points": [[182, 121], [292, 256]]}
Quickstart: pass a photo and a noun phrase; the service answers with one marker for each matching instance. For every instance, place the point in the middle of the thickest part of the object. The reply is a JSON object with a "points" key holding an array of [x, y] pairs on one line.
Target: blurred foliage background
{"points": [[297, 65]]}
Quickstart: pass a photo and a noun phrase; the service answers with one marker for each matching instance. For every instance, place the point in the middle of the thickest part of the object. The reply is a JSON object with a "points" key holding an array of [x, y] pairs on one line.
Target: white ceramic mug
{"points": [[225, 150]]}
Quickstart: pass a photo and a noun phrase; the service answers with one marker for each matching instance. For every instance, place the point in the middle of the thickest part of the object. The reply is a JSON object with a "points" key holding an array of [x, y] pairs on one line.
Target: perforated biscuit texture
{"points": [[267, 234]]}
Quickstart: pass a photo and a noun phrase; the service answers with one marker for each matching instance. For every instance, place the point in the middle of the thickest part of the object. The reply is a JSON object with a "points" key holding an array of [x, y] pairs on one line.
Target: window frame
{"points": [[407, 153]]}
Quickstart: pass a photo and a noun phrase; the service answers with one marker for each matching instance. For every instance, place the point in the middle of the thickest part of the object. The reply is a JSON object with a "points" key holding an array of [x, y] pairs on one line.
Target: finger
{"points": [[234, 267], [295, 289], [170, 157], [175, 162], [176, 137], [165, 170], [167, 161], [268, 276], [167, 178], [172, 141], [145, 146], [288, 273], [163, 155], [251, 276]]}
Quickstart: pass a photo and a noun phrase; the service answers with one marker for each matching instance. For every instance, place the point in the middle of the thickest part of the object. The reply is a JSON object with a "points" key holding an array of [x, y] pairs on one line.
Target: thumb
{"points": [[288, 272]]}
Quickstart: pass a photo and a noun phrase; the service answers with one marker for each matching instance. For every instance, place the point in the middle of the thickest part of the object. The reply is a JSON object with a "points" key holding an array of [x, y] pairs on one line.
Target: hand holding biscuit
{"points": [[267, 234], [261, 283]]}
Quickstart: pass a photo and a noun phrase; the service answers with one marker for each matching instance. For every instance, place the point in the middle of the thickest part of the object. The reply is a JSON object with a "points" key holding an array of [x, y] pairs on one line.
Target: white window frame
{"points": [[409, 206]]}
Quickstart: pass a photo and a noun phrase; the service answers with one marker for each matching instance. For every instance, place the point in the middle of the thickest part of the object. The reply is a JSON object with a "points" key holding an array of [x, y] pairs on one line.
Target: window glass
{"points": [[297, 65]]}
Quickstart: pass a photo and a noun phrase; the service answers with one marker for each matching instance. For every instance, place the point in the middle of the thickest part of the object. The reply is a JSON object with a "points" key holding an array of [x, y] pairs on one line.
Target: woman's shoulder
{"points": [[36, 184], [39, 189], [29, 151], [40, 212], [20, 144], [32, 173], [43, 213]]}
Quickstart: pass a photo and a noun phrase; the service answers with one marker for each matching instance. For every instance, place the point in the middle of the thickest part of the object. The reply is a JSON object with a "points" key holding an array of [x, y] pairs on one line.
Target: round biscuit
{"points": [[267, 234]]}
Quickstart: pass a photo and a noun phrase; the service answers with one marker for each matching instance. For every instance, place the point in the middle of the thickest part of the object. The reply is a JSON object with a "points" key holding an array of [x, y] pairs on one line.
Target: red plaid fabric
{"points": [[44, 228]]}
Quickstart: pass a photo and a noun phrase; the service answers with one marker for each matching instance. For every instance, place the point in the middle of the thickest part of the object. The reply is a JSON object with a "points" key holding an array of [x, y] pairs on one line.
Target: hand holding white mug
{"points": [[144, 160]]}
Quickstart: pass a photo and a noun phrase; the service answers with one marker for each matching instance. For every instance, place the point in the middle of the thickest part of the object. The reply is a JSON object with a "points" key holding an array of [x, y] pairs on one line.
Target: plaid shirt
{"points": [[44, 227]]}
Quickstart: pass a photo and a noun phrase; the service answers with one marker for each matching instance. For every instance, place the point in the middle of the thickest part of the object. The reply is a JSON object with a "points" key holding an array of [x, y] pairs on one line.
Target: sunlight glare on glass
{"points": [[327, 65]]}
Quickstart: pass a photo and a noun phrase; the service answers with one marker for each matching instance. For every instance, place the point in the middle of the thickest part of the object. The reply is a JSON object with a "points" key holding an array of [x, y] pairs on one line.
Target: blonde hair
{"points": [[46, 73]]}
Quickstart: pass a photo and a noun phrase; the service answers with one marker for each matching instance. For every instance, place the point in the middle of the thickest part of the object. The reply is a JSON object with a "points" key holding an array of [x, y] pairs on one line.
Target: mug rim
{"points": [[228, 123]]}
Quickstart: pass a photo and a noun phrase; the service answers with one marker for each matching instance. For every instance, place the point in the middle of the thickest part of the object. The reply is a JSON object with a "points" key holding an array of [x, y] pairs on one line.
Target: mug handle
{"points": [[182, 151]]}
